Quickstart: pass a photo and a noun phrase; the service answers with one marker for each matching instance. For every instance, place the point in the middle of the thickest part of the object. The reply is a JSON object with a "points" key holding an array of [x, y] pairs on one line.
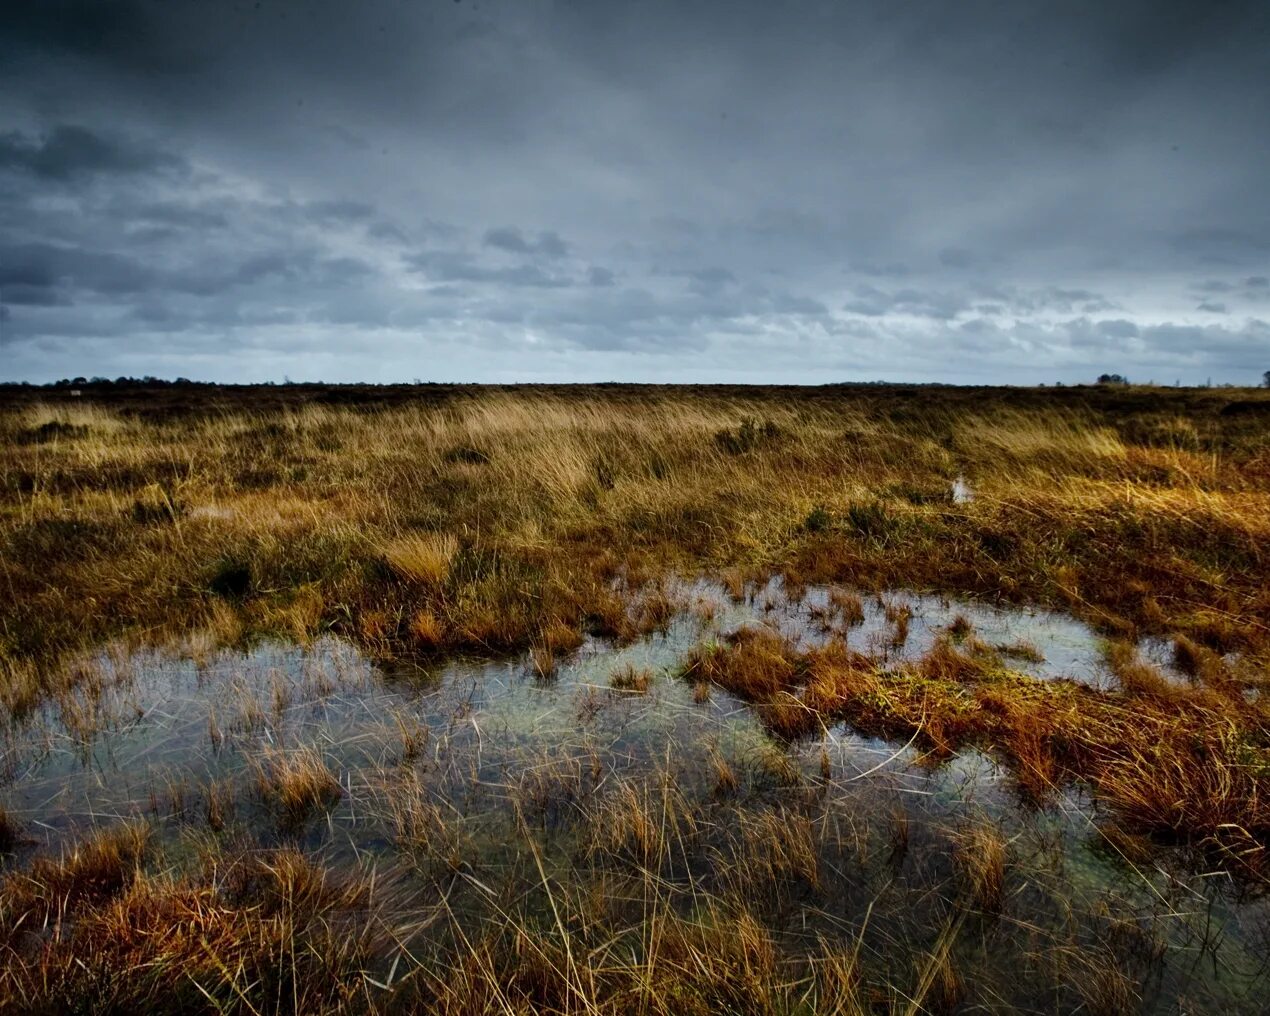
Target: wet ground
{"points": [[161, 732]]}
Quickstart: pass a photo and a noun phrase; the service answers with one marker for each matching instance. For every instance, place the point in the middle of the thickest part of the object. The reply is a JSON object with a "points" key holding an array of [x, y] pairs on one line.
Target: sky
{"points": [[581, 190]]}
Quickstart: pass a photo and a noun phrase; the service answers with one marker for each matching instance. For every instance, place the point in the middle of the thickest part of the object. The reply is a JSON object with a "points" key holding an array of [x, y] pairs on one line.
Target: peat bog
{"points": [[634, 699]]}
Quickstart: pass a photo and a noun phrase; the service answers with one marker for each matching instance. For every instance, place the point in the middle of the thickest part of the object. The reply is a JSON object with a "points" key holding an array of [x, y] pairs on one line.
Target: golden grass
{"points": [[980, 855], [274, 928], [422, 557], [297, 782], [1171, 760], [540, 498], [631, 679], [95, 870]]}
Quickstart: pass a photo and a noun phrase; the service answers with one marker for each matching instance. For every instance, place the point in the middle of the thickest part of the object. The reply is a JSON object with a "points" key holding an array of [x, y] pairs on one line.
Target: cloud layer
{"points": [[753, 191]]}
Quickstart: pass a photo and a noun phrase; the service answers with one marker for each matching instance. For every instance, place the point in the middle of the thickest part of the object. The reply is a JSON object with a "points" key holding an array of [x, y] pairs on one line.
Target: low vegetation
{"points": [[455, 863]]}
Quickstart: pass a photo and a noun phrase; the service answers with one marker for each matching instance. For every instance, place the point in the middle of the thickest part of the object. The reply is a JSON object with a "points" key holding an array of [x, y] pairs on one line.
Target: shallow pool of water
{"points": [[149, 721], [490, 739]]}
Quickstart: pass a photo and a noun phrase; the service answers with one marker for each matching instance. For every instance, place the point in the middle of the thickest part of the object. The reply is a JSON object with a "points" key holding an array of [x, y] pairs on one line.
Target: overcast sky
{"points": [[385, 190]]}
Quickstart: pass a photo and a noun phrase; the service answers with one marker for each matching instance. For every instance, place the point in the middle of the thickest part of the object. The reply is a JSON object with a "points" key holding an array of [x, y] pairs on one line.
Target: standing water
{"points": [[489, 745]]}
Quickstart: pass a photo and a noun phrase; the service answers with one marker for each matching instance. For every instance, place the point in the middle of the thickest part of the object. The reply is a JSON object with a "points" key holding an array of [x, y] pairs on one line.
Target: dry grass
{"points": [[980, 855], [1173, 761], [53, 890], [422, 557], [631, 679], [484, 550], [756, 663], [848, 605], [298, 783], [270, 933]]}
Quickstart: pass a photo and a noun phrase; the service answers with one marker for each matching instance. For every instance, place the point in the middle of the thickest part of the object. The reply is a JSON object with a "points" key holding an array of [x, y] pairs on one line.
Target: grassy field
{"points": [[441, 864]]}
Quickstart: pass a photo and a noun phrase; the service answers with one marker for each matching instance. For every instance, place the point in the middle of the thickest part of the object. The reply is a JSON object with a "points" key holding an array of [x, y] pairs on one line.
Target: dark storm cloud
{"points": [[46, 266], [461, 266], [796, 191], [509, 238], [69, 152], [873, 302]]}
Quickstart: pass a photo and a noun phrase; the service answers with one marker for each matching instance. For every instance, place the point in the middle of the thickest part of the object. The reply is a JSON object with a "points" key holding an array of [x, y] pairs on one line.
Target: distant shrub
{"points": [[51, 431], [870, 519], [749, 435], [466, 455], [230, 579], [818, 520]]}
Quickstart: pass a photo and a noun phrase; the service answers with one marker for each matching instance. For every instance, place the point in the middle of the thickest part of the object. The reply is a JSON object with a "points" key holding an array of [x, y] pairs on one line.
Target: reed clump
{"points": [[980, 855], [298, 783], [631, 679]]}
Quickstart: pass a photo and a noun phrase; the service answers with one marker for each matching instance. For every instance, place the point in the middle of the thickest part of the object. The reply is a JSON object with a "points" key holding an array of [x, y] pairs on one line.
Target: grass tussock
{"points": [[424, 558], [297, 783], [270, 932], [980, 856], [632, 679], [95, 870]]}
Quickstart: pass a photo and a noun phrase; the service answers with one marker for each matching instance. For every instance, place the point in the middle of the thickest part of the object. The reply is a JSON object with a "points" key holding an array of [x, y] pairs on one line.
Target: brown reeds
{"points": [[297, 782]]}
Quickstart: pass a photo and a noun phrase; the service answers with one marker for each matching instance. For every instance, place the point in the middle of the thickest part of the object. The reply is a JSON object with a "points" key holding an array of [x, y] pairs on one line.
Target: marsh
{"points": [[666, 699]]}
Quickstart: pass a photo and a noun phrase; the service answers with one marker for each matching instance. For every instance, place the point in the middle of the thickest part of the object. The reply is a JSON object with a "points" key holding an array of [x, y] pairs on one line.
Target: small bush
{"points": [[749, 435], [231, 579], [466, 455], [52, 431], [818, 520], [870, 519]]}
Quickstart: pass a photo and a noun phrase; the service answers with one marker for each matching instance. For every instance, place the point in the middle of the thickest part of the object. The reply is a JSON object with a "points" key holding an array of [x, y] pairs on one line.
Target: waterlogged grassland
{"points": [[634, 699]]}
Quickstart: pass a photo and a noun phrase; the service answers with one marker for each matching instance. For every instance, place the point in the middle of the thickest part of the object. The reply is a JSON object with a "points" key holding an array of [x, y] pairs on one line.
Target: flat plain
{"points": [[617, 698]]}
